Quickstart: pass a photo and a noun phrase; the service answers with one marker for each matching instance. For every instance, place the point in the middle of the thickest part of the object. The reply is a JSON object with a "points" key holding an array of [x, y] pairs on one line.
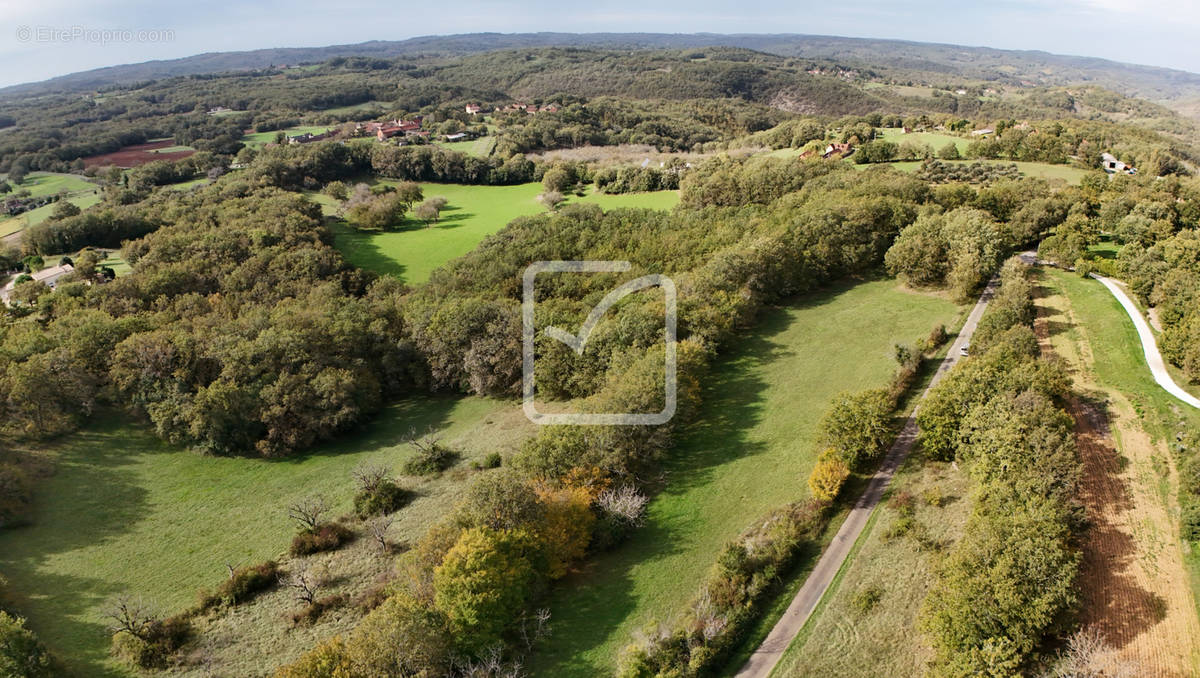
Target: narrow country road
{"points": [[1154, 359], [764, 659]]}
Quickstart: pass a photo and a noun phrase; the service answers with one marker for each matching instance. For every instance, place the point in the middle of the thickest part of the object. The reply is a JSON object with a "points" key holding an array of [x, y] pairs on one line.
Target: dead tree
{"points": [[369, 476], [309, 511], [131, 615], [378, 528], [305, 581]]}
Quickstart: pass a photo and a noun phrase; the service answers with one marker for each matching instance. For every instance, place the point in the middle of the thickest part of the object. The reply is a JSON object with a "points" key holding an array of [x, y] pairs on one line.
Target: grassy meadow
{"points": [[749, 450], [1041, 170], [79, 191], [473, 213], [126, 513], [933, 139], [844, 640], [256, 139]]}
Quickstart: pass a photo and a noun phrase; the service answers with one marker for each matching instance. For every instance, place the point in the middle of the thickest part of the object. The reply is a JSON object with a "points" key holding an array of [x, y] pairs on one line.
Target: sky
{"points": [[44, 38]]}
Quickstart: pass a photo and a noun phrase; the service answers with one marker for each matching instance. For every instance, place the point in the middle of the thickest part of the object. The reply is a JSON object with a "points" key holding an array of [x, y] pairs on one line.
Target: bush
{"points": [[828, 476], [21, 654], [865, 600], [310, 613], [243, 585], [385, 497], [323, 537], [492, 460], [14, 494], [1190, 520], [431, 457], [154, 647]]}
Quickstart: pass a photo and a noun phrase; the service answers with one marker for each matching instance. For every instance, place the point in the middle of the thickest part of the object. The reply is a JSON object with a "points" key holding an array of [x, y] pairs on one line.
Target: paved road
{"points": [[1154, 359], [764, 659]]}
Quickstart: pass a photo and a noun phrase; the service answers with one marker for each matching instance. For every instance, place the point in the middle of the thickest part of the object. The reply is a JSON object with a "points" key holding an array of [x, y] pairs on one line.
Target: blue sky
{"points": [[44, 38]]}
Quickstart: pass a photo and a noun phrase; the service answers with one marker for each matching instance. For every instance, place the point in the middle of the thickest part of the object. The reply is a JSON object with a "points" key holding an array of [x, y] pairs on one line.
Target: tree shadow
{"points": [[96, 497]]}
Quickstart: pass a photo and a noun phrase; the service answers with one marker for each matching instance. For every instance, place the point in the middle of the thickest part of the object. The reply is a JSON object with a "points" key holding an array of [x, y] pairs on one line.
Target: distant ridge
{"points": [[974, 63]]}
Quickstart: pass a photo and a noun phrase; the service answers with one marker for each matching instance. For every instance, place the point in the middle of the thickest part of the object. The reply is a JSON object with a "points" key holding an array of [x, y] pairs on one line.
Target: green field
{"points": [[127, 513], [933, 139], [473, 213], [79, 191], [48, 183], [750, 450], [480, 148], [256, 139]]}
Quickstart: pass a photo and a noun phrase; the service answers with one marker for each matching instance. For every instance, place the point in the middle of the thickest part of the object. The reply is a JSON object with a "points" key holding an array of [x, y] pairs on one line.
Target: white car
{"points": [[963, 351]]}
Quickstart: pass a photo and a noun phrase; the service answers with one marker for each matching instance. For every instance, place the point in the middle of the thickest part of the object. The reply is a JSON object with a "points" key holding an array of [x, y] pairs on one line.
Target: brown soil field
{"points": [[140, 154], [1133, 585]]}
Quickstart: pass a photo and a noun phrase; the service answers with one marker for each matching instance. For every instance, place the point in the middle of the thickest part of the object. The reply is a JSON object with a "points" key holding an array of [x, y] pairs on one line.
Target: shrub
{"points": [[619, 511], [311, 612], [1190, 520], [865, 600], [937, 337], [431, 457], [492, 460], [153, 646], [244, 584], [828, 476], [323, 537], [385, 497], [21, 654], [14, 494]]}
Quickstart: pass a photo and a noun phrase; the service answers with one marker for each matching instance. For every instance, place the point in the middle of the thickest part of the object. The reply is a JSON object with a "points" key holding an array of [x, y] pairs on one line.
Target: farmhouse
{"points": [[456, 137], [49, 276], [309, 137], [839, 150], [1111, 165], [474, 109], [983, 132]]}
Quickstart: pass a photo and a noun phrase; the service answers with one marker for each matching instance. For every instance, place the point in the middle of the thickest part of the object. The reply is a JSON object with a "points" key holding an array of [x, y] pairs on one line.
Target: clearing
{"points": [[932, 139], [1135, 583], [79, 191], [1041, 170], [473, 213], [749, 450], [257, 139], [848, 638], [132, 514]]}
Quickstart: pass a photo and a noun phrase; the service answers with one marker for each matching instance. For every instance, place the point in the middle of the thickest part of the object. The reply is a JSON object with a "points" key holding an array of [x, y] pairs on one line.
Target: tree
{"points": [[949, 152], [309, 511], [558, 179], [337, 190], [17, 173], [430, 210], [484, 582], [828, 476], [551, 199], [378, 528], [858, 426], [501, 500], [305, 581], [21, 654]]}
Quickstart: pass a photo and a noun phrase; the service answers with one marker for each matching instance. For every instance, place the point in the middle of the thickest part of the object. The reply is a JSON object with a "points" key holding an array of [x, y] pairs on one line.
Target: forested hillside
{"points": [[923, 62]]}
